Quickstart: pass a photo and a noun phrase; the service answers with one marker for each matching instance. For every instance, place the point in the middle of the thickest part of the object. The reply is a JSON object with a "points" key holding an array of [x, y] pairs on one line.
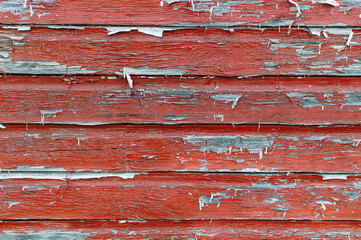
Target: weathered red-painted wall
{"points": [[177, 119]]}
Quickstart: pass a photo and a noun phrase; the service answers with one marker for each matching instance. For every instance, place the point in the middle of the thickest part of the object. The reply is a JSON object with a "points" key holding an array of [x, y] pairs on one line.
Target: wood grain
{"points": [[212, 148], [199, 51], [173, 100], [191, 196], [180, 119], [181, 12], [180, 230]]}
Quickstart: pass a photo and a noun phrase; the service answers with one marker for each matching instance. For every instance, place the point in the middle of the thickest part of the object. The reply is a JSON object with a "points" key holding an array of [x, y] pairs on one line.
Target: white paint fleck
{"points": [[334, 176], [12, 203], [2, 126], [250, 170], [315, 31], [299, 13], [129, 79], [329, 2], [153, 31], [324, 203], [49, 113], [324, 34], [25, 168], [349, 39], [218, 116], [145, 70], [66, 27], [64, 175], [18, 27]]}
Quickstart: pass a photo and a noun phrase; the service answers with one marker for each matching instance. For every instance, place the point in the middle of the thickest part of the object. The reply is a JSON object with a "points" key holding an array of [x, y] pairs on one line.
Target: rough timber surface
{"points": [[210, 148], [183, 140], [179, 196], [198, 51], [192, 230], [181, 12], [174, 100]]}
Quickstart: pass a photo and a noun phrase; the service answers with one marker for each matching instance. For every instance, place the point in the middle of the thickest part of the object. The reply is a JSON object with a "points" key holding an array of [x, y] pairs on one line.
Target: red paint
{"points": [[219, 52], [148, 148], [270, 100], [229, 229], [150, 12], [180, 196], [271, 177]]}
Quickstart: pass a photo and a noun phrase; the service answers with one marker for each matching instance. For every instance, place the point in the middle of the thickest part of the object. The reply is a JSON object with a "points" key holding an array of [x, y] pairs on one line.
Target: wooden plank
{"points": [[191, 230], [93, 100], [200, 51], [180, 12], [49, 195], [181, 148]]}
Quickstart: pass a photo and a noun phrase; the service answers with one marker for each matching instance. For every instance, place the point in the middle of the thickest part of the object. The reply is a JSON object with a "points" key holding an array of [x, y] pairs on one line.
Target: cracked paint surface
{"points": [[180, 52]]}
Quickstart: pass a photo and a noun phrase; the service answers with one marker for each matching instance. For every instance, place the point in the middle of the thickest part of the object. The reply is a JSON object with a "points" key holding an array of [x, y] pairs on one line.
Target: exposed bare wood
{"points": [[98, 100], [242, 52], [181, 148], [50, 195], [180, 229], [181, 12]]}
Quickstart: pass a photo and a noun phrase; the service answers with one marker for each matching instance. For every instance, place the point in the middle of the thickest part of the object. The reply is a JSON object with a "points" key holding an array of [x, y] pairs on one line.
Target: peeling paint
{"points": [[334, 176], [37, 169], [328, 2], [214, 198], [49, 113], [281, 208], [23, 7], [262, 186], [66, 27], [64, 175], [12, 203], [234, 98], [145, 70], [299, 13], [271, 66], [153, 31], [40, 188], [315, 31], [46, 235], [175, 117], [324, 203], [38, 67], [305, 99], [18, 27], [222, 144], [347, 5]]}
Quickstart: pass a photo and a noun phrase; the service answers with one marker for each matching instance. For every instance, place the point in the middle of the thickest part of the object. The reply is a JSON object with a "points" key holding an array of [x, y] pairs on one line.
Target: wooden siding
{"points": [[177, 51], [177, 119]]}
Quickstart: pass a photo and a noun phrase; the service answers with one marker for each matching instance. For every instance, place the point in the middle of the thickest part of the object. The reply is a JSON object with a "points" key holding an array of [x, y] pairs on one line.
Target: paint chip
{"points": [[129, 79], [315, 31], [299, 13], [18, 27], [349, 39], [2, 126], [328, 2], [334, 176], [235, 102], [153, 31]]}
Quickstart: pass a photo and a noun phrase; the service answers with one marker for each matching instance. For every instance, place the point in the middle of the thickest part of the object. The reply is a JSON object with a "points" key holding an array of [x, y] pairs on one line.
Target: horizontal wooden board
{"points": [[187, 196], [181, 148], [180, 12], [200, 51], [175, 100], [191, 230]]}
